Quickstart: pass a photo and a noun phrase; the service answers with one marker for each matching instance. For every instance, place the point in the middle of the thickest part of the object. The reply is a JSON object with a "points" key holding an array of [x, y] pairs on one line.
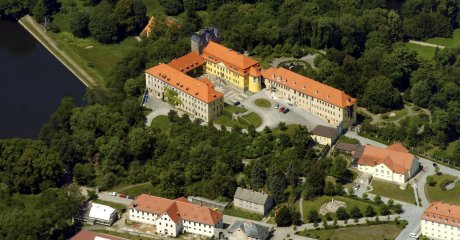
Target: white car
{"points": [[412, 235], [113, 193]]}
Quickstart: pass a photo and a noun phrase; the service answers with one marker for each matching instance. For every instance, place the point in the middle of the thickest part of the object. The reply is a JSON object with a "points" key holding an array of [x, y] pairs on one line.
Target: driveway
{"points": [[116, 199], [271, 117]]}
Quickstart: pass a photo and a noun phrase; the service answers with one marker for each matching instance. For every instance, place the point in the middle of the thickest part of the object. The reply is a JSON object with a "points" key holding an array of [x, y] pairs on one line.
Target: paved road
{"points": [[53, 49], [116, 199]]}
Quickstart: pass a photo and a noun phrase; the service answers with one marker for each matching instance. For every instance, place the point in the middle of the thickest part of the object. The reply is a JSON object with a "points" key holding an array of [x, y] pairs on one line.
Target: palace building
{"points": [[173, 217], [171, 83], [330, 104], [441, 221], [239, 70]]}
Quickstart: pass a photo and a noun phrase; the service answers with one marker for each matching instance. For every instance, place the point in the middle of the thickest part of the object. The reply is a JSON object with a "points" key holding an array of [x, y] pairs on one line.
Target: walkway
{"points": [[37, 31], [426, 44], [377, 118]]}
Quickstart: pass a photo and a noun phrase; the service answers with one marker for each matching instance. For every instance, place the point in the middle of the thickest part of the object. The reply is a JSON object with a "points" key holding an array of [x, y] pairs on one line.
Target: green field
{"points": [[452, 42], [138, 189], [424, 51], [162, 122], [398, 114], [318, 202], [262, 102], [289, 131], [153, 8], [119, 207], [242, 214], [234, 109], [381, 231], [253, 119], [393, 191], [435, 193]]}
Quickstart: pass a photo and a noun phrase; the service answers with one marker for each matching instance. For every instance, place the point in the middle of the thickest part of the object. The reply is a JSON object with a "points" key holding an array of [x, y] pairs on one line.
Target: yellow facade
{"points": [[254, 84], [221, 71]]}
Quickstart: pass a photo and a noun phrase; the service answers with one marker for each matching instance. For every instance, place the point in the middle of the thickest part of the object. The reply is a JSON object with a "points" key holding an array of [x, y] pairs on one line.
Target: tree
{"points": [[370, 212], [276, 185], [384, 209], [130, 15], [365, 196], [257, 176], [380, 96], [398, 208], [296, 218], [339, 168], [172, 7], [355, 213], [342, 214], [314, 185], [391, 203], [102, 23], [79, 24], [436, 170], [329, 189], [283, 217], [282, 126], [431, 181], [83, 173], [45, 8], [378, 200], [313, 216], [339, 189]]}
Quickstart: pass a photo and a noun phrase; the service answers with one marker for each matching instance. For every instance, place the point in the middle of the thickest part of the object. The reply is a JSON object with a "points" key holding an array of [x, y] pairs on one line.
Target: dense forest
{"points": [[106, 141]]}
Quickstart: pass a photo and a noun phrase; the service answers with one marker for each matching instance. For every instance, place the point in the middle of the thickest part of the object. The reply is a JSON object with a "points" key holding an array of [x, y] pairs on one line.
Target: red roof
{"points": [[89, 235], [233, 60], [398, 147], [396, 160], [443, 213], [308, 86], [187, 62], [176, 209], [187, 84]]}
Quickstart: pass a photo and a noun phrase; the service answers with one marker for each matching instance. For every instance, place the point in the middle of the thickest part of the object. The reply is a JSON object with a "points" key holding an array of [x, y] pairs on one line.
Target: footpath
{"points": [[37, 31]]}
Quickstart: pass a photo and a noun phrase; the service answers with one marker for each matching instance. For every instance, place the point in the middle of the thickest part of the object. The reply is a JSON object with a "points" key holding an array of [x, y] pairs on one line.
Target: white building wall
{"points": [[381, 171], [249, 206], [166, 226], [434, 230], [142, 217]]}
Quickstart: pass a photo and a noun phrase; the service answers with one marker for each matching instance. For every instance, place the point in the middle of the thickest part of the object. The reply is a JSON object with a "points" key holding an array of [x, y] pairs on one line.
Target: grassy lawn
{"points": [[393, 191], [398, 114], [452, 42], [289, 131], [424, 51], [243, 214], [162, 122], [123, 235], [146, 188], [435, 193], [253, 119], [235, 109], [381, 231], [318, 202], [226, 121], [262, 102], [117, 206]]}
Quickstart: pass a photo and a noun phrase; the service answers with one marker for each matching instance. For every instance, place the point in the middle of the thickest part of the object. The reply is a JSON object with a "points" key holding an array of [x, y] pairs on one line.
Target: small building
{"points": [[252, 201], [393, 163], [95, 213], [324, 135], [90, 235], [208, 203], [441, 221], [173, 217], [246, 230]]}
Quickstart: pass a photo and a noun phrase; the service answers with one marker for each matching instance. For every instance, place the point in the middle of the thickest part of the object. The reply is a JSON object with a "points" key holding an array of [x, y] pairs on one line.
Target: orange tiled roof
{"points": [[398, 147], [233, 60], [90, 235], [187, 84], [443, 213], [398, 161], [176, 209], [308, 86], [187, 62]]}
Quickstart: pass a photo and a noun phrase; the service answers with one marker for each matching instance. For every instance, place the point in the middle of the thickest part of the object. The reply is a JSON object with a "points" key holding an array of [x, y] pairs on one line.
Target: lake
{"points": [[32, 83]]}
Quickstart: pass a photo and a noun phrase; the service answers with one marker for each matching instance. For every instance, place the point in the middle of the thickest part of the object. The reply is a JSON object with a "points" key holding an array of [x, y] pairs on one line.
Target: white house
{"points": [[252, 201], [94, 213], [172, 217], [393, 163], [324, 135], [441, 221]]}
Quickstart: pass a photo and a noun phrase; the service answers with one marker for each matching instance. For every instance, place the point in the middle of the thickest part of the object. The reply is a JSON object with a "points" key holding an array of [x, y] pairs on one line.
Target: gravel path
{"points": [[426, 44]]}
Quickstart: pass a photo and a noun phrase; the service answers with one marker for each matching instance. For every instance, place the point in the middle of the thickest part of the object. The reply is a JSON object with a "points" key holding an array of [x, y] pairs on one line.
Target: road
{"points": [[37, 31], [116, 199]]}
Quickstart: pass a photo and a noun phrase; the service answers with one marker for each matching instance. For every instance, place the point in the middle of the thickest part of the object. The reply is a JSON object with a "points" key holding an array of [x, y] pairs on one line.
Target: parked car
{"points": [[131, 197], [412, 235], [122, 195], [281, 109], [286, 110], [277, 106], [236, 103], [356, 187], [113, 193]]}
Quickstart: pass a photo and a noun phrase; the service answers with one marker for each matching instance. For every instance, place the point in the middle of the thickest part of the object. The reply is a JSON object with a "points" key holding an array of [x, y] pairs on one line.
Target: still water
{"points": [[32, 83]]}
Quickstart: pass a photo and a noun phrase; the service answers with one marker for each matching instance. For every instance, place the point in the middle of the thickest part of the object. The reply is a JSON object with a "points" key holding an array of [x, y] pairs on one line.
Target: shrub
{"points": [[430, 180]]}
